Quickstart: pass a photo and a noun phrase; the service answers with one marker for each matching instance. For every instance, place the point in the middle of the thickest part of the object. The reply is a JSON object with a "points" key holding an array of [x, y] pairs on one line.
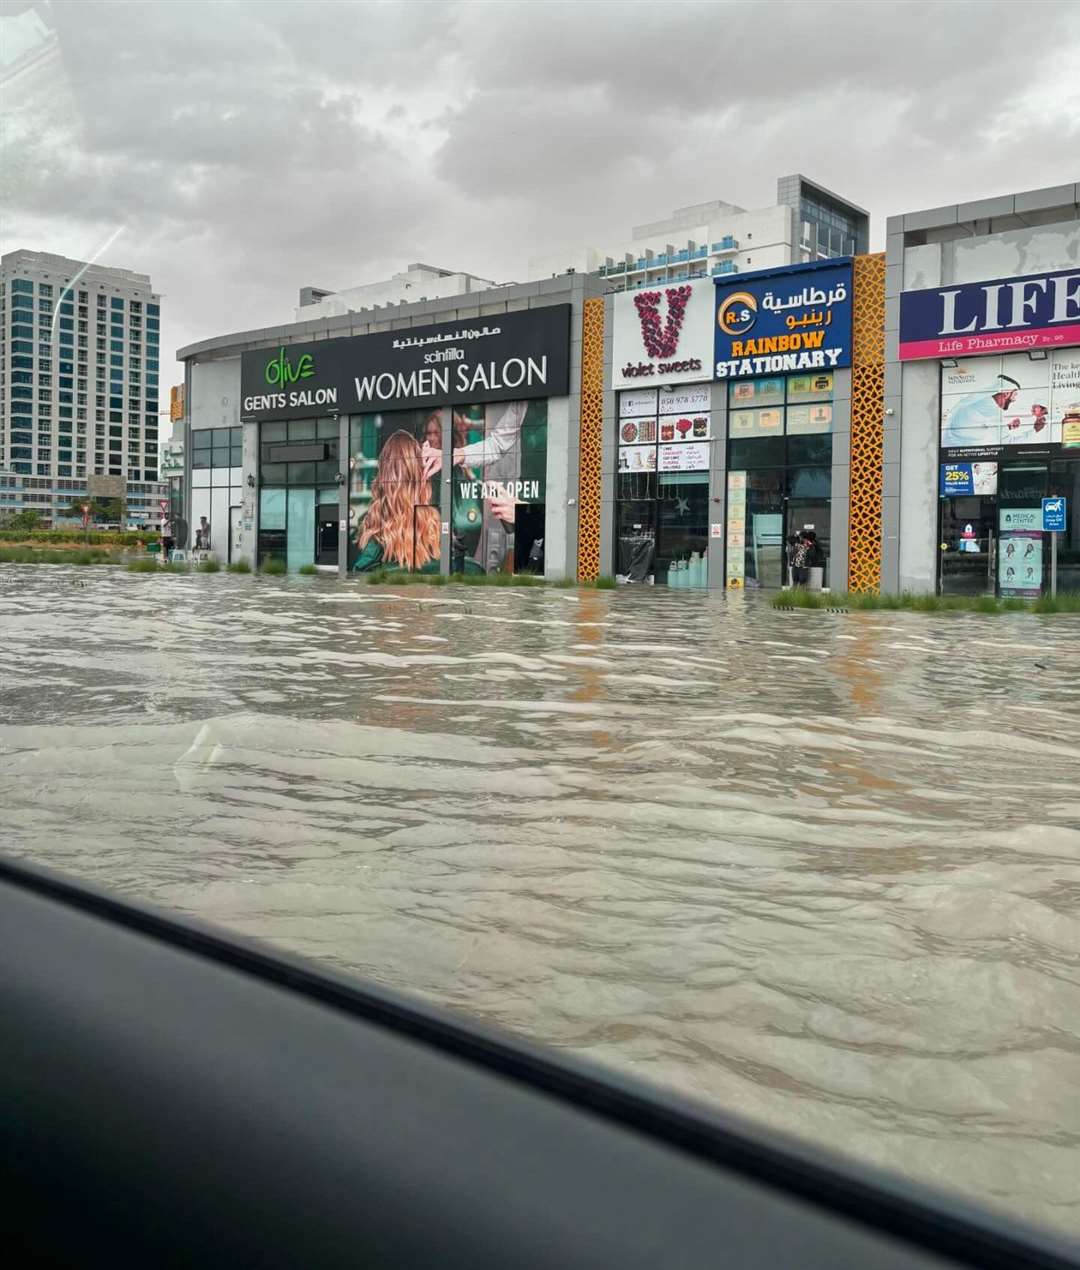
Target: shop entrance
{"points": [[968, 545], [800, 515], [529, 519], [326, 544]]}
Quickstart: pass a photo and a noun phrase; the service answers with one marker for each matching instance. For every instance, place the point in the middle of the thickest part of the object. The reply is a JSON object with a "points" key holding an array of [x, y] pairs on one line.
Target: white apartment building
{"points": [[79, 367], [416, 284], [807, 222]]}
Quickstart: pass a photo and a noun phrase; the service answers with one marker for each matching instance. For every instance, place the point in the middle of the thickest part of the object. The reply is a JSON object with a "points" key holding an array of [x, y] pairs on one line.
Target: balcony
{"points": [[725, 266], [727, 243], [699, 253]]}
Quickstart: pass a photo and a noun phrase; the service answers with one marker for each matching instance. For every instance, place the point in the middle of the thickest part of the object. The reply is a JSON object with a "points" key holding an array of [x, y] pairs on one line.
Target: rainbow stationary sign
{"points": [[791, 319], [1009, 315]]}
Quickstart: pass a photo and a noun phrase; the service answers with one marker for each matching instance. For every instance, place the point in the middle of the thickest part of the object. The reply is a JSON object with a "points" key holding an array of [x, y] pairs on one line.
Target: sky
{"points": [[237, 151]]}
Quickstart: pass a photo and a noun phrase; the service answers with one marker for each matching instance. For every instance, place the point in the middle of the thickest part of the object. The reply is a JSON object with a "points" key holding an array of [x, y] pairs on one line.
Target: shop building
{"points": [[982, 417], [729, 425], [439, 437]]}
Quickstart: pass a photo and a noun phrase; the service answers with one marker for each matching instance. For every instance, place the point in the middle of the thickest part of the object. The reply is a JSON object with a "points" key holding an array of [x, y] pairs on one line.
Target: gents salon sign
{"points": [[784, 323], [508, 357], [1011, 314]]}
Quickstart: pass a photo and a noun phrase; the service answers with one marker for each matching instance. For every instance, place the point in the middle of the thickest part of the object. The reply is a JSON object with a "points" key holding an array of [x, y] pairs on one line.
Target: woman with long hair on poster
{"points": [[400, 527]]}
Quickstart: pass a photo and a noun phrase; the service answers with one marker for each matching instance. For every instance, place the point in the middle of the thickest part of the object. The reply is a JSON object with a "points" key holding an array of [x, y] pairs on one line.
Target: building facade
{"points": [[417, 283], [439, 436], [79, 369], [982, 418], [717, 238]]}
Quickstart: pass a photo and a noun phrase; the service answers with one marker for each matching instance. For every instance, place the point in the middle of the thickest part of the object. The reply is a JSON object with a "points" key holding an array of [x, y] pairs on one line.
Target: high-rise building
{"points": [[807, 222], [79, 366]]}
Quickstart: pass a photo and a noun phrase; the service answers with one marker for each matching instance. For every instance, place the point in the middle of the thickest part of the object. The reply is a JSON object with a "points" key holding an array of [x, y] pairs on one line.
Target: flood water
{"points": [[820, 870]]}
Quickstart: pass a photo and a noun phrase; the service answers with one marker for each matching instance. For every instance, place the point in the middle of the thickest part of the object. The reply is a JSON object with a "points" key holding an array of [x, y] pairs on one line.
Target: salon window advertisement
{"points": [[498, 464]]}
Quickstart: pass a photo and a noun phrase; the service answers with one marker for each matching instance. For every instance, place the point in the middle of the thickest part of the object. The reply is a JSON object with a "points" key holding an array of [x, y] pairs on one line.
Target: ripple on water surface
{"points": [[822, 870]]}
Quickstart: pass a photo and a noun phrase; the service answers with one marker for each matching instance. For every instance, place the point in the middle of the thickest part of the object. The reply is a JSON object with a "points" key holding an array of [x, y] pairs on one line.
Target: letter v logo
{"points": [[662, 339]]}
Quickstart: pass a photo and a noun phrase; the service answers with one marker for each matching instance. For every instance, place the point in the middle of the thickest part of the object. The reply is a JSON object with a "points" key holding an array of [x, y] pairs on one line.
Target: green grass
{"points": [[274, 567], [798, 598], [33, 555], [308, 570], [143, 565], [175, 566], [209, 566], [239, 566]]}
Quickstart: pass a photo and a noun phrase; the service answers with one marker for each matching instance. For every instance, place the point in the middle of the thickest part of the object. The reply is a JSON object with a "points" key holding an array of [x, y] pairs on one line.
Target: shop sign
{"points": [[784, 323], [663, 335], [508, 357], [968, 478], [691, 457], [1013, 519], [1035, 311]]}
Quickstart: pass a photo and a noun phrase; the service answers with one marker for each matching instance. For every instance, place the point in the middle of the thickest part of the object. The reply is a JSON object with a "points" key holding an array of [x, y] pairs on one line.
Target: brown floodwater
{"points": [[822, 870]]}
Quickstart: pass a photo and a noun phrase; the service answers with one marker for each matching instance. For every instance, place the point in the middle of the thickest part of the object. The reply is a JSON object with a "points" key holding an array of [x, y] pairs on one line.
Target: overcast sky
{"points": [[243, 150]]}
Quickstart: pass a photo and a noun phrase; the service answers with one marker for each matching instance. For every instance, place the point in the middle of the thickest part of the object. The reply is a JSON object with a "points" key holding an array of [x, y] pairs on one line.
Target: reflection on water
{"points": [[822, 870]]}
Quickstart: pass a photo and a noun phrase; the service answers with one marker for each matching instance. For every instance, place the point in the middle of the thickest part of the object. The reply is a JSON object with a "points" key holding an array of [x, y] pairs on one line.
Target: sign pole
{"points": [[1053, 565]]}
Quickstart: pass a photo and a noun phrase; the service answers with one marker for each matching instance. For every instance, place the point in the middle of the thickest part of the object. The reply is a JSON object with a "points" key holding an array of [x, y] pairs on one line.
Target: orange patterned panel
{"points": [[867, 423], [591, 439]]}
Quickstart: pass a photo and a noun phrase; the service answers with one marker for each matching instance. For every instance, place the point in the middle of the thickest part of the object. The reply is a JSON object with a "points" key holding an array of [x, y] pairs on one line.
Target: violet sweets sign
{"points": [[507, 357], [1007, 315]]}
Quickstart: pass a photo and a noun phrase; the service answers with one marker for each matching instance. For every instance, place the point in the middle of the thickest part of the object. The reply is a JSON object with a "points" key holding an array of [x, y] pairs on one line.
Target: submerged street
{"points": [[820, 870]]}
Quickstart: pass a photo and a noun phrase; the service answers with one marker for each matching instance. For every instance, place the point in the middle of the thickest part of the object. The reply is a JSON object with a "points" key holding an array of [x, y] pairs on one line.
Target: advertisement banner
{"points": [[637, 431], [1037, 311], [510, 357], [637, 458], [789, 322], [968, 478], [694, 399], [497, 479], [633, 405], [663, 335], [692, 457], [1010, 401], [1020, 565], [685, 427]]}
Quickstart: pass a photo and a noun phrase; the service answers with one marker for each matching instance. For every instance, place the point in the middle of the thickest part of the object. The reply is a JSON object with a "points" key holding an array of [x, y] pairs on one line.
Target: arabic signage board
{"points": [[662, 335], [1010, 314], [784, 324], [691, 457], [508, 357]]}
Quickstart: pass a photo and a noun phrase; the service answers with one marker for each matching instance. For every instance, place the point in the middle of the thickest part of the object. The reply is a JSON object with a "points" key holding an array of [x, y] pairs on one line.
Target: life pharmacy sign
{"points": [[1010, 314], [663, 334], [792, 320], [511, 357]]}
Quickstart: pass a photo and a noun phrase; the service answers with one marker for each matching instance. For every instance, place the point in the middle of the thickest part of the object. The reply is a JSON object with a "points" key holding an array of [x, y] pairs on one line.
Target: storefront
{"points": [[783, 345], [424, 449], [1000, 359], [662, 374]]}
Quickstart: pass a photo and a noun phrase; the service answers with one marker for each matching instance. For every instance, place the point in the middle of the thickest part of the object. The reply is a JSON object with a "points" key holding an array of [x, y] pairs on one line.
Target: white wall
{"points": [[215, 394]]}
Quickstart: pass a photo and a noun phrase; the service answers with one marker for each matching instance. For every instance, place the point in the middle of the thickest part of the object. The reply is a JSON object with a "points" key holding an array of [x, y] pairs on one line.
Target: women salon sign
{"points": [[1010, 314]]}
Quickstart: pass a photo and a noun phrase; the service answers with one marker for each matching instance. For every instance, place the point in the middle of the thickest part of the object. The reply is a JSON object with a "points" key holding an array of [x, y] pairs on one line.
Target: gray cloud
{"points": [[250, 148]]}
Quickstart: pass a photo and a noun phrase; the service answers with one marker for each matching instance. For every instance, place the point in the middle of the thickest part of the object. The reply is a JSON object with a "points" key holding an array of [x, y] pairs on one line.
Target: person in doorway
{"points": [[800, 558], [400, 528], [168, 541], [815, 553], [202, 535]]}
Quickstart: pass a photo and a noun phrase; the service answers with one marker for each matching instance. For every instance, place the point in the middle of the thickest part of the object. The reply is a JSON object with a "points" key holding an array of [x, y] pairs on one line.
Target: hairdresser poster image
{"points": [[394, 462]]}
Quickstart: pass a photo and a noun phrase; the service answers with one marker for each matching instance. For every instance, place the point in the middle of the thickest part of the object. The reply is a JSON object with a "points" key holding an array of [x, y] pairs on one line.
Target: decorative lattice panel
{"points": [[867, 423], [591, 440]]}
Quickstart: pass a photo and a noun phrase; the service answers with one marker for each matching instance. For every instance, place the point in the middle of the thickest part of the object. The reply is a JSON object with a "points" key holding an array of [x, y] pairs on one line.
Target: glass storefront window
{"points": [[780, 445]]}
